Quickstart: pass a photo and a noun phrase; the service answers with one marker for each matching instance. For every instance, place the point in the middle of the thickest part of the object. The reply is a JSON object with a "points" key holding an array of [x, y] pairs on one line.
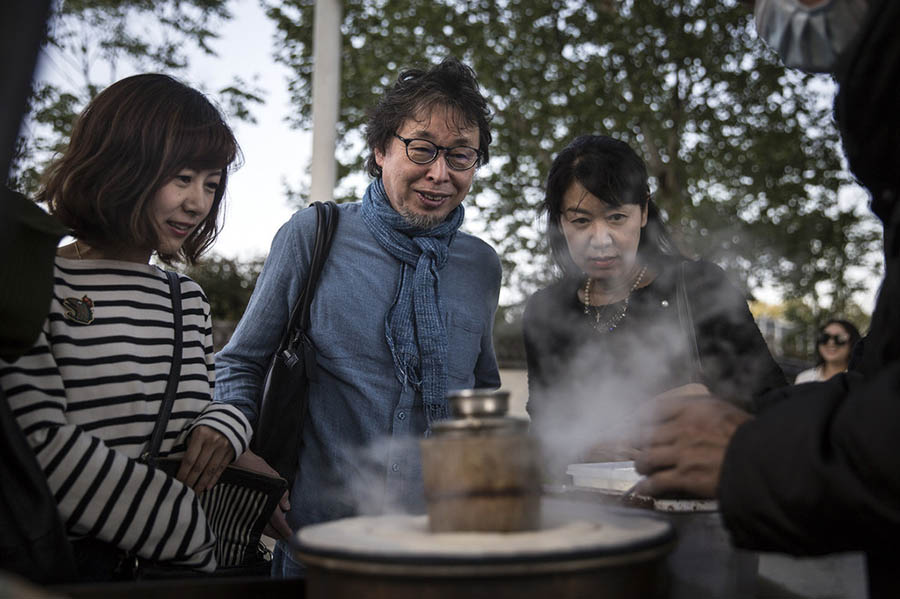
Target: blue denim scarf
{"points": [[414, 327]]}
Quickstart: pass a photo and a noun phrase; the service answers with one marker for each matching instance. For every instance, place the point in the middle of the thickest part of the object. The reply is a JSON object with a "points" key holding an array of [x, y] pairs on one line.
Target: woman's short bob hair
{"points": [[130, 141], [614, 173], [850, 329]]}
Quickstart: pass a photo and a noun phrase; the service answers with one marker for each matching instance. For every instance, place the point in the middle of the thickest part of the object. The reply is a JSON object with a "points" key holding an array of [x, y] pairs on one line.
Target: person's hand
{"points": [[208, 453], [277, 528], [684, 444], [618, 442]]}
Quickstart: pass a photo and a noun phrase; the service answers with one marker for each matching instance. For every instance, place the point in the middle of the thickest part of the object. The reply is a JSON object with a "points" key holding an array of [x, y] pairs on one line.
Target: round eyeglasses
{"points": [[422, 151]]}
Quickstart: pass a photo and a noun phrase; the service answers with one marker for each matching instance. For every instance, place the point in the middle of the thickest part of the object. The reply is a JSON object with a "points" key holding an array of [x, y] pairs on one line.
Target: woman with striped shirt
{"points": [[144, 173]]}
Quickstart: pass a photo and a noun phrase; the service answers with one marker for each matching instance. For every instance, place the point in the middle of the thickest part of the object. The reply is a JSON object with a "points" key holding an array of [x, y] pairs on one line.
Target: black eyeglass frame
{"points": [[437, 152], [839, 340]]}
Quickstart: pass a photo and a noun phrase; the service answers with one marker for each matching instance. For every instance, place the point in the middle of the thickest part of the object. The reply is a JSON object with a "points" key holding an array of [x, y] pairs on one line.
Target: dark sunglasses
{"points": [[823, 338]]}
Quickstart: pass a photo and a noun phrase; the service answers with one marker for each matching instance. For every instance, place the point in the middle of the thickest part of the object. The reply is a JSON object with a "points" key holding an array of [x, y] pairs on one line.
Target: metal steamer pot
{"points": [[580, 551], [488, 532]]}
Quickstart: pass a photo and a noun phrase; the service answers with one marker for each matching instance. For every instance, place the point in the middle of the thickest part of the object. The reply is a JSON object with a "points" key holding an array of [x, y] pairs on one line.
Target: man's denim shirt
{"points": [[360, 453]]}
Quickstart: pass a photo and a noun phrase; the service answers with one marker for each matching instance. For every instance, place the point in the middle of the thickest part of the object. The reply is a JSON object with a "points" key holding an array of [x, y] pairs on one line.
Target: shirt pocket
{"points": [[464, 346]]}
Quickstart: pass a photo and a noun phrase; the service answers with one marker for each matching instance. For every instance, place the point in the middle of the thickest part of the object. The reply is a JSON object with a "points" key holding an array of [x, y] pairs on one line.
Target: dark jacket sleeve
{"points": [[819, 472], [737, 365]]}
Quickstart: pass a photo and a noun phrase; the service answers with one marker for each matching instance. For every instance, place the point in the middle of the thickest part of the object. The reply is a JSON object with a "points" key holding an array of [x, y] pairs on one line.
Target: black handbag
{"points": [[277, 436], [237, 510], [33, 540]]}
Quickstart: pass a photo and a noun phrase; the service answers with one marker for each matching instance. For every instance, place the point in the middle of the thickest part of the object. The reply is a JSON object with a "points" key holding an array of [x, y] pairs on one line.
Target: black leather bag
{"points": [[33, 540], [277, 436]]}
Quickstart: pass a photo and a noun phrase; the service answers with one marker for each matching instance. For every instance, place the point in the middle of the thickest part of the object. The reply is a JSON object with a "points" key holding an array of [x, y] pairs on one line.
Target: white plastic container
{"points": [[620, 477], [609, 476]]}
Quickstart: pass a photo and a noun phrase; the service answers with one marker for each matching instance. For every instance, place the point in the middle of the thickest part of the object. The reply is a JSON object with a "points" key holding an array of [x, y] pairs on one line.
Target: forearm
{"points": [[102, 492], [229, 421], [737, 363], [817, 472]]}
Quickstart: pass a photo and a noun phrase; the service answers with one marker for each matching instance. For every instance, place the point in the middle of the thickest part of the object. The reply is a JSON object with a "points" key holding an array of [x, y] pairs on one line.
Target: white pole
{"points": [[326, 88]]}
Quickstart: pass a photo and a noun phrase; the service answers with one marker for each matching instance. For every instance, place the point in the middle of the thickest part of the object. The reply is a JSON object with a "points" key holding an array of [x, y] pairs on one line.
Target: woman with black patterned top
{"points": [[612, 332]]}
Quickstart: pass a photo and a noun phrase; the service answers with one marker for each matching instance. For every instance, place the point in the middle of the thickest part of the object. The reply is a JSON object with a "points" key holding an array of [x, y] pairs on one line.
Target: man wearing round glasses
{"points": [[403, 312], [426, 153], [421, 187]]}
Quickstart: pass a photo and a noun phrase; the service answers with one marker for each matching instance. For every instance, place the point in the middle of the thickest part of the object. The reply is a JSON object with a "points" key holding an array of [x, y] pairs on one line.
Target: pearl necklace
{"points": [[603, 324]]}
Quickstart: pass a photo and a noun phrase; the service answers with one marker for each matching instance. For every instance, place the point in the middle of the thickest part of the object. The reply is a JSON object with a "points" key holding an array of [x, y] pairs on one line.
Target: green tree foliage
{"points": [[228, 284], [89, 41], [744, 156]]}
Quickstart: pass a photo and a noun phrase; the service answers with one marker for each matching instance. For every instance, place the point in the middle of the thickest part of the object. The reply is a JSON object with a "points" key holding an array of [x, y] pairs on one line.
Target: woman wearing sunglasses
{"points": [[833, 346]]}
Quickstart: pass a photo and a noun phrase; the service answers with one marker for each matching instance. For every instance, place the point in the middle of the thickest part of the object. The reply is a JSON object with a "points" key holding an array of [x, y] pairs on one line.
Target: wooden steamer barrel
{"points": [[479, 468]]}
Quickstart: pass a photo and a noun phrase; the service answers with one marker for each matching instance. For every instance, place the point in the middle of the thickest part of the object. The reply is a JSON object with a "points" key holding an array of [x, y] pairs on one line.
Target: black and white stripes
{"points": [[87, 396]]}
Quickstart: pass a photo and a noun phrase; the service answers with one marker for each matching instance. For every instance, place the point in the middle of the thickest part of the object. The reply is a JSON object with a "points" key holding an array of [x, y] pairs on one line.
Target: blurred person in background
{"points": [[834, 344], [33, 540]]}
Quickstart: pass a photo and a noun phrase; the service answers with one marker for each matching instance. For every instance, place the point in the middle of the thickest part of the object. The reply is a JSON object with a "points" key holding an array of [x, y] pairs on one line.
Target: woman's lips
{"points": [[602, 263], [179, 229]]}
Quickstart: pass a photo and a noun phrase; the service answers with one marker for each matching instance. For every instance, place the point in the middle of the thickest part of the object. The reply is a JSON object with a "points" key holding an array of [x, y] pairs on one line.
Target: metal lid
{"points": [[475, 426], [478, 403]]}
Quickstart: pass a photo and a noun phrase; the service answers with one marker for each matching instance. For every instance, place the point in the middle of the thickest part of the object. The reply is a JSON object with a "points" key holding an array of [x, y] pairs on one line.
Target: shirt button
{"points": [[401, 415], [395, 467]]}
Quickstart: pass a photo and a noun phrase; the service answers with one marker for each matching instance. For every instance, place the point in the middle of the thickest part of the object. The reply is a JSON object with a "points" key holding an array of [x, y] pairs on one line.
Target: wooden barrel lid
{"points": [[566, 534]]}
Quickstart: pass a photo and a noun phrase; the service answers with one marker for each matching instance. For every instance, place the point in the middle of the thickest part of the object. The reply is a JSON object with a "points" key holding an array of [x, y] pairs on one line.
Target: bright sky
{"points": [[274, 153]]}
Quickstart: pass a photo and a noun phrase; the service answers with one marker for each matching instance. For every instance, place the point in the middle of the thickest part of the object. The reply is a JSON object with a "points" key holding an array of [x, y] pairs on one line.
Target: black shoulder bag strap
{"points": [[686, 318], [277, 435], [159, 430], [299, 322]]}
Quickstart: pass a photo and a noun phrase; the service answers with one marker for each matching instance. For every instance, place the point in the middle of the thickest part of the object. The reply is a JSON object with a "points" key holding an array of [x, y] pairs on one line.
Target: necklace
{"points": [[604, 323], [77, 251]]}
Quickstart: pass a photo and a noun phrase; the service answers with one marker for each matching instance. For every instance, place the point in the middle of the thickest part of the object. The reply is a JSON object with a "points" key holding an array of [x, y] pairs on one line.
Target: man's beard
{"points": [[420, 221]]}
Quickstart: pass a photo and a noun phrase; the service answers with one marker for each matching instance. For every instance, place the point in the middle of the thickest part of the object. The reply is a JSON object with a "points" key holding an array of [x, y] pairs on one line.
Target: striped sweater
{"points": [[87, 397]]}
